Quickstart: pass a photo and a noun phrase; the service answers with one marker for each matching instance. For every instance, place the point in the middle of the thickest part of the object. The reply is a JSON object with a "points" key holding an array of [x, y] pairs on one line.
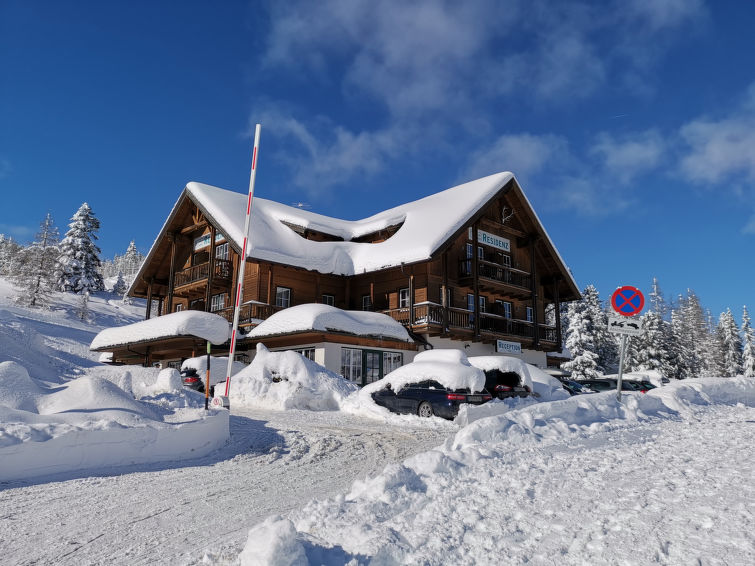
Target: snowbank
{"points": [[205, 325], [307, 317], [218, 367], [394, 516], [288, 380], [91, 422], [547, 387]]}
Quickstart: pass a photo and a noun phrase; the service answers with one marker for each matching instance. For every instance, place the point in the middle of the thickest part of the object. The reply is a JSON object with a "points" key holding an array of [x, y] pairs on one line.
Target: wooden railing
{"points": [[249, 313], [223, 271], [431, 314], [495, 272]]}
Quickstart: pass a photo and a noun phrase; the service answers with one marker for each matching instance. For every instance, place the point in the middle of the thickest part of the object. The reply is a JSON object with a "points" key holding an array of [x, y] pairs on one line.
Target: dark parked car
{"points": [[575, 387], [505, 384], [608, 384], [191, 379], [643, 386], [428, 398]]}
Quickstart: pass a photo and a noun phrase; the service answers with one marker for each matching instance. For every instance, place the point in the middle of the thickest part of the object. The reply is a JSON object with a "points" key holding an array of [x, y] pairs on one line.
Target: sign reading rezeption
{"points": [[489, 239]]}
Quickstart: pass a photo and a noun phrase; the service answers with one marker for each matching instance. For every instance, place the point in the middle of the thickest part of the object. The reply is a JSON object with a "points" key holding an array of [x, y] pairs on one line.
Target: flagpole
{"points": [[242, 263]]}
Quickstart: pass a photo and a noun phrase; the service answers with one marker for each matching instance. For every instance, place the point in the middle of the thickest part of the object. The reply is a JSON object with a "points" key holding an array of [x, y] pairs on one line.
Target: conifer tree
{"points": [[120, 285], [79, 258], [10, 255], [580, 340], [748, 349], [730, 345], [35, 276]]}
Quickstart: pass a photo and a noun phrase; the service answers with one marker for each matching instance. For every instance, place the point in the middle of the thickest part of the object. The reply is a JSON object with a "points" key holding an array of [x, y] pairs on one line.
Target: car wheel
{"points": [[425, 409]]}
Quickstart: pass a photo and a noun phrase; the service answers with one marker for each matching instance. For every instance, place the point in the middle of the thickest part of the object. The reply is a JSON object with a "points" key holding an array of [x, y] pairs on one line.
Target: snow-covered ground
{"points": [[661, 478]]}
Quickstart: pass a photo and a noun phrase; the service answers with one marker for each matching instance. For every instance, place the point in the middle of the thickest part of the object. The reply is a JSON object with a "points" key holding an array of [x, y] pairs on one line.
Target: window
{"points": [[391, 361], [202, 242], [403, 298], [282, 297], [372, 366], [351, 364], [308, 353], [470, 251], [329, 300], [506, 260], [481, 253], [221, 251], [470, 233], [217, 302], [504, 308], [483, 304], [449, 297], [470, 302], [179, 307], [366, 303], [196, 305], [530, 313]]}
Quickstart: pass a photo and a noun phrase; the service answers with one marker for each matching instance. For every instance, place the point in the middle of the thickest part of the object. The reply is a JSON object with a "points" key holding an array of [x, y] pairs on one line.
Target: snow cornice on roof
{"points": [[425, 225]]}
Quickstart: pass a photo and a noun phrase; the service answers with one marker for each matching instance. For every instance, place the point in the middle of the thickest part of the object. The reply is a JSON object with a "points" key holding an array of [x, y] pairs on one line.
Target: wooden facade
{"points": [[493, 279]]}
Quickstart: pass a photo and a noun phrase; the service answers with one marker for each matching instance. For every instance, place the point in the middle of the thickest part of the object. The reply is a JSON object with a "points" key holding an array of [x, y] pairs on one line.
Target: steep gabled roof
{"points": [[425, 226]]}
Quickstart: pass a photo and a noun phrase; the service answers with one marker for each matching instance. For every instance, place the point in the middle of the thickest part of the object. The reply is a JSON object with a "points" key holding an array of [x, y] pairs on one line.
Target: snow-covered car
{"points": [[194, 372], [505, 376], [428, 398], [437, 382], [608, 384]]}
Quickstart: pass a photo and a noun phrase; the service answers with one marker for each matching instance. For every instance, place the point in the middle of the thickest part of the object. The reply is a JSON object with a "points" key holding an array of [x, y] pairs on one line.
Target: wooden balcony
{"points": [[223, 272], [429, 316], [494, 275], [250, 314]]}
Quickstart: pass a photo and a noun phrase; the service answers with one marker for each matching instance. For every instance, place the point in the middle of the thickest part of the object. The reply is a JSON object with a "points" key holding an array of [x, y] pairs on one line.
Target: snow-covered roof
{"points": [[205, 325], [304, 318], [426, 224]]}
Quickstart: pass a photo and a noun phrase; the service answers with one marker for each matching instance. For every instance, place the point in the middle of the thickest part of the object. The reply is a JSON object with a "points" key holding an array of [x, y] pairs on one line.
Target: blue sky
{"points": [[630, 124]]}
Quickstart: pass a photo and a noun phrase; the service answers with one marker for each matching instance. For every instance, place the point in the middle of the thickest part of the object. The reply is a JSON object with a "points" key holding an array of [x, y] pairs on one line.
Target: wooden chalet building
{"points": [[470, 267]]}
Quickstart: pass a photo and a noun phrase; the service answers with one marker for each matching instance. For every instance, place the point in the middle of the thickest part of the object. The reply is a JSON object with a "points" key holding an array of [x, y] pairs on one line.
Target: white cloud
{"points": [[629, 156], [718, 150], [664, 14], [523, 154]]}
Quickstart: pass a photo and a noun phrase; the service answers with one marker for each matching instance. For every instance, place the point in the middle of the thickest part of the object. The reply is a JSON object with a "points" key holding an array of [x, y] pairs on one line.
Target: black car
{"points": [[505, 384], [608, 384], [428, 398], [641, 385], [575, 387], [191, 379]]}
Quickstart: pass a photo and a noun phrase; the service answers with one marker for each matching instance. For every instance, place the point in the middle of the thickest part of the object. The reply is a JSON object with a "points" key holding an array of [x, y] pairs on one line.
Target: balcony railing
{"points": [[431, 314], [249, 313], [495, 272], [223, 270]]}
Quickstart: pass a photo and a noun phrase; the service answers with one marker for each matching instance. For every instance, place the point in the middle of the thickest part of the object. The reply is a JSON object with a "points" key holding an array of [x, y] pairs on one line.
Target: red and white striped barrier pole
{"points": [[242, 263]]}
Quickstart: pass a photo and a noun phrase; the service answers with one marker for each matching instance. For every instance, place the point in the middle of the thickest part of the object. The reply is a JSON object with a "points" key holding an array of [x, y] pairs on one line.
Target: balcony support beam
{"points": [[171, 280], [210, 273]]}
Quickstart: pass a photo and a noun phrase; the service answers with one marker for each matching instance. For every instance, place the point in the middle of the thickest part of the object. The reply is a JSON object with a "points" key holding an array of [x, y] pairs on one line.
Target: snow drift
{"points": [[288, 380], [91, 422]]}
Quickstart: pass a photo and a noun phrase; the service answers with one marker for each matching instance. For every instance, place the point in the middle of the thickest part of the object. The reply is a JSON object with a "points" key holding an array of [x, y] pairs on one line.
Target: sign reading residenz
{"points": [[492, 240], [508, 347]]}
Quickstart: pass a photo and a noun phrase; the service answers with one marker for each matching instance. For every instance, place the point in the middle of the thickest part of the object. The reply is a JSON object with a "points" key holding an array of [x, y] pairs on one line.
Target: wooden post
{"points": [[210, 272], [172, 238], [411, 300], [444, 291], [558, 314], [533, 283], [149, 298], [270, 300], [476, 282]]}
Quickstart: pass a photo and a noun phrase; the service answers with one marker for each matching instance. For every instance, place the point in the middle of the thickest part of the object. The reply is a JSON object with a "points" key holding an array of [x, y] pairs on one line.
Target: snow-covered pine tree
{"points": [[132, 261], [79, 258], [10, 255], [730, 345], [35, 277], [580, 340], [690, 336], [83, 311], [120, 286], [711, 352], [748, 348], [605, 342]]}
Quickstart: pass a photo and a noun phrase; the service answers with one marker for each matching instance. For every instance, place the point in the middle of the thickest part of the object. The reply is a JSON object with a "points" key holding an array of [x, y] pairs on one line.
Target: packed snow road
{"points": [[171, 514]]}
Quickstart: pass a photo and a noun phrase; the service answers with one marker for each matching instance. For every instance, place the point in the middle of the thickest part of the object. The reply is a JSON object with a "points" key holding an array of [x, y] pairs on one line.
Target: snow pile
{"points": [[303, 318], [288, 380], [205, 325], [218, 367], [436, 507], [91, 422], [546, 387]]}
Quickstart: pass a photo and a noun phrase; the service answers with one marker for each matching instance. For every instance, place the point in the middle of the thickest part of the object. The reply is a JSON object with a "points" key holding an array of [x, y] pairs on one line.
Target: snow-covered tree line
{"points": [[680, 340], [72, 264]]}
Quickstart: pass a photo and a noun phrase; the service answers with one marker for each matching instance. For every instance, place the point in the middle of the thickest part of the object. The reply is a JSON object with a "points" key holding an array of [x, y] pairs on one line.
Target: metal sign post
{"points": [[242, 265], [207, 379], [628, 302]]}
